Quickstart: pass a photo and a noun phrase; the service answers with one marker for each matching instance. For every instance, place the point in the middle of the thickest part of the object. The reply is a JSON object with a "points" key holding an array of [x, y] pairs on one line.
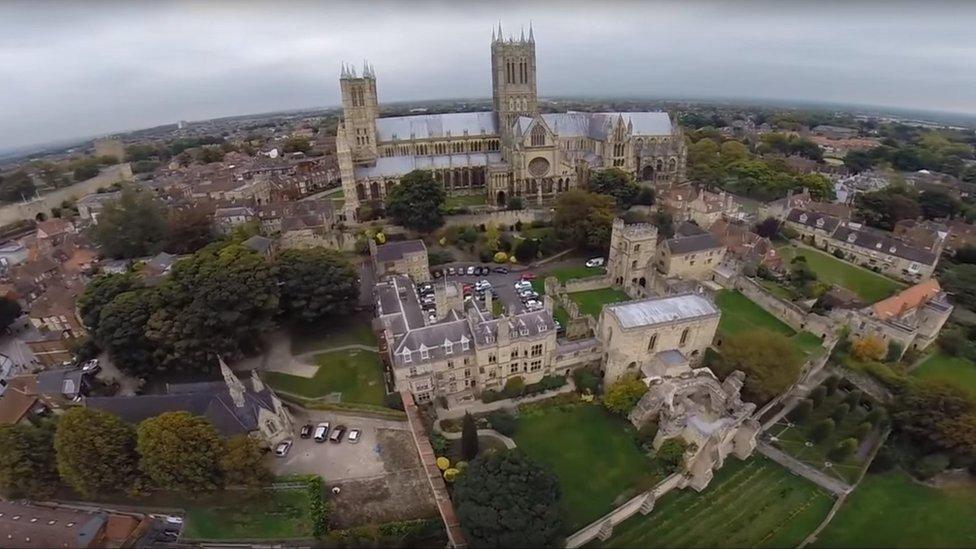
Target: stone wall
{"points": [[789, 313], [504, 217], [597, 282], [15, 212], [307, 239]]}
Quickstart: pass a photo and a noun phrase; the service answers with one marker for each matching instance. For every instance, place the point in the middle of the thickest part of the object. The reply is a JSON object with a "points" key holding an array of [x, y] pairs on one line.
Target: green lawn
{"points": [[356, 374], [594, 454], [335, 333], [272, 514], [592, 301], [565, 273], [740, 314], [869, 285], [754, 503], [465, 200], [953, 370], [891, 510]]}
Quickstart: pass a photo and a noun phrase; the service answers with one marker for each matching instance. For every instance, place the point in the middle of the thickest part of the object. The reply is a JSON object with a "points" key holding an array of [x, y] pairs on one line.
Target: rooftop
{"points": [[394, 251], [661, 310], [906, 300]]}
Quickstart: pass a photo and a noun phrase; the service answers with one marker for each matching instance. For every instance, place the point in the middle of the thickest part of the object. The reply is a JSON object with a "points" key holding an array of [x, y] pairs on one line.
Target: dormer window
{"points": [[464, 344], [820, 222], [877, 246], [407, 357], [892, 250], [448, 347], [803, 218], [523, 330], [424, 353], [852, 237]]}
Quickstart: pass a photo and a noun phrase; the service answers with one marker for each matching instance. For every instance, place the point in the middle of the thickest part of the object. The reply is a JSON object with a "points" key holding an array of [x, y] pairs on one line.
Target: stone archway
{"points": [[647, 174], [501, 198], [374, 190]]}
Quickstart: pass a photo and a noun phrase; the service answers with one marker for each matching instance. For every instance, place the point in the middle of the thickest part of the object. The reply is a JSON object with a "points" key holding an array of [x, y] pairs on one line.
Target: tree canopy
{"points": [[622, 395], [416, 201], [616, 183], [16, 187], [243, 463], [96, 451], [585, 219], [100, 292], [504, 499], [937, 417], [132, 226], [9, 312], [316, 284], [769, 360], [27, 464], [121, 330], [179, 451]]}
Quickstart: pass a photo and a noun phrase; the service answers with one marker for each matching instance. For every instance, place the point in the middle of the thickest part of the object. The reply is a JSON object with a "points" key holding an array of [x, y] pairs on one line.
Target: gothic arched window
{"points": [[538, 136]]}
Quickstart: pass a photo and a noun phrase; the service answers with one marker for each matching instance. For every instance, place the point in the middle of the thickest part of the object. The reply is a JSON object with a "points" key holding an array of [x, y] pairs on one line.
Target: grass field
{"points": [[565, 273], [869, 285], [953, 370], [356, 374], [891, 510], [592, 301], [336, 333], [594, 455], [273, 514], [755, 503], [740, 314], [465, 200]]}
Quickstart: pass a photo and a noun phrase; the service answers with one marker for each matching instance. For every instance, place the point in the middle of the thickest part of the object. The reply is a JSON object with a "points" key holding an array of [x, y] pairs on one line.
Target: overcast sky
{"points": [[83, 68]]}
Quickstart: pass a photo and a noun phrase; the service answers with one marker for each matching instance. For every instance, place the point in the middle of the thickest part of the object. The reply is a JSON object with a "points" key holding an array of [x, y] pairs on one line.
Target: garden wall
{"points": [[790, 314], [53, 199], [505, 217], [603, 527], [586, 284]]}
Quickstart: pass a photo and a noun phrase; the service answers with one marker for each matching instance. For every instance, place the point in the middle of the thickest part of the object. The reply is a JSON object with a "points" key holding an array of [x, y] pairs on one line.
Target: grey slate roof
{"points": [[883, 242], [596, 125], [394, 251], [814, 220], [391, 166], [65, 382], [426, 126], [433, 338], [258, 243], [523, 325], [689, 238], [661, 310]]}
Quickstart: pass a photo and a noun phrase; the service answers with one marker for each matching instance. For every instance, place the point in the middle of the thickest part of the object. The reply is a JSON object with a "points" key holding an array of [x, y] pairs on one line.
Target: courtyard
{"points": [[350, 375], [740, 314], [591, 302], [957, 371], [566, 272], [752, 503], [594, 454], [868, 285]]}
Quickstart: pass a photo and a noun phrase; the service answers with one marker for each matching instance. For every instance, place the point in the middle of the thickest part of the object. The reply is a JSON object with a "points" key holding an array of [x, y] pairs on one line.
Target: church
{"points": [[511, 151]]}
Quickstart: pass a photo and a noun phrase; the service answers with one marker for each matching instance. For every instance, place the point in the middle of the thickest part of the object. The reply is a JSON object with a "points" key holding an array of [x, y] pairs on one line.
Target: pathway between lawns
{"points": [[819, 478], [303, 365]]}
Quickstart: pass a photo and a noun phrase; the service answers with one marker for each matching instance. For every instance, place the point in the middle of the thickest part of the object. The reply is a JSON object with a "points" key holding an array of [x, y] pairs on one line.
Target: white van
{"points": [[321, 432]]}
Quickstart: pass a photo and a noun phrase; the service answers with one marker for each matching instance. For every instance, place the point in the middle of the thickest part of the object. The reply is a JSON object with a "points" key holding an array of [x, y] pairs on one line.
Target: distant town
{"points": [[507, 322]]}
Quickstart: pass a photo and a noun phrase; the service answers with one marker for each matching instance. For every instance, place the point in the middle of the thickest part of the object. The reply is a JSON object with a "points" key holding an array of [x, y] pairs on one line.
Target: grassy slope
{"points": [[279, 514], [593, 454], [333, 333], [740, 314], [869, 285], [357, 374], [953, 370], [891, 510], [592, 301]]}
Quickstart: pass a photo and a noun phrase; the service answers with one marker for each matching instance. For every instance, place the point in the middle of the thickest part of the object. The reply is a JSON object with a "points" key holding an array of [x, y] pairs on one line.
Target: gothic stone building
{"points": [[511, 151]]}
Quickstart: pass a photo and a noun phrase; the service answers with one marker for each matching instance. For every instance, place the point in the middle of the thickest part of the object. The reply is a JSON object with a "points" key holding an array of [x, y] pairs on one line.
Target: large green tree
{"points": [[504, 499], [27, 464], [96, 451], [243, 463], [217, 302], [181, 452], [769, 360], [100, 292], [585, 219], [616, 183], [416, 201], [937, 417], [9, 312], [122, 328], [469, 438], [132, 226], [960, 282], [622, 395], [316, 284], [16, 187]]}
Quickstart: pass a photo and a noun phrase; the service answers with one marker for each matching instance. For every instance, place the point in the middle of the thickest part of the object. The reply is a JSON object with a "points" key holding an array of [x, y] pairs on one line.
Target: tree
{"points": [[859, 161], [216, 303], [802, 410], [584, 219], [504, 499], [768, 228], [769, 360], [831, 383], [840, 412], [132, 226], [843, 450], [297, 143], [819, 185], [27, 464], [208, 155], [515, 203], [416, 202], [869, 348], [96, 451], [938, 204], [646, 196], [316, 284], [622, 395], [822, 430], [616, 183], [100, 292], [188, 231], [9, 312], [527, 250], [672, 453], [960, 281], [16, 187], [243, 463], [121, 330], [937, 417], [180, 452], [503, 422], [469, 438]]}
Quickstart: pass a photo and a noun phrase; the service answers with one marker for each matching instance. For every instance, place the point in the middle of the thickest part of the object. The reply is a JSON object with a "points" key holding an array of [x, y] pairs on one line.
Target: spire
{"points": [[493, 35], [531, 36], [501, 36], [234, 385], [522, 37]]}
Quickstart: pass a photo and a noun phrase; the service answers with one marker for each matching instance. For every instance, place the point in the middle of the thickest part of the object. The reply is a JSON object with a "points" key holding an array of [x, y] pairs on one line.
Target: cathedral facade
{"points": [[511, 151]]}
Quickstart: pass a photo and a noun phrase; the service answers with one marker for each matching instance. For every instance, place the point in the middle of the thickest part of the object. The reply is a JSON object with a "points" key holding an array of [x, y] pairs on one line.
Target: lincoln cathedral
{"points": [[511, 151]]}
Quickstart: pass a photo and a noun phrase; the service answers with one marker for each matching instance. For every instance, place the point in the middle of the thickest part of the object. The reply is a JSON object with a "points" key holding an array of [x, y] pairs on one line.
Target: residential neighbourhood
{"points": [[521, 321]]}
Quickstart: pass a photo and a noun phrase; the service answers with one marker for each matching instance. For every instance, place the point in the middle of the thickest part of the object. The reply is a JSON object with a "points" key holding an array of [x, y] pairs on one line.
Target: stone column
{"points": [[648, 504], [606, 530]]}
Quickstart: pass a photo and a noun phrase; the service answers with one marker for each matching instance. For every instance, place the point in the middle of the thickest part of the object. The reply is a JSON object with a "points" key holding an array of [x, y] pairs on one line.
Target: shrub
{"points": [[838, 253], [513, 387], [515, 203], [822, 430], [488, 396], [547, 383], [862, 430], [802, 411], [840, 412], [503, 422], [831, 384], [501, 257], [895, 350], [853, 398], [928, 466], [884, 460], [843, 450], [869, 348], [439, 257], [451, 475], [624, 394], [877, 415], [393, 400], [318, 509], [817, 395], [586, 381], [485, 256], [671, 453], [443, 463], [439, 443]]}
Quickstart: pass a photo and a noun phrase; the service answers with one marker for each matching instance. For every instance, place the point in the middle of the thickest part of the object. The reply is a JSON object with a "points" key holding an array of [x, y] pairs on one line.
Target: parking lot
{"points": [[380, 478], [503, 284]]}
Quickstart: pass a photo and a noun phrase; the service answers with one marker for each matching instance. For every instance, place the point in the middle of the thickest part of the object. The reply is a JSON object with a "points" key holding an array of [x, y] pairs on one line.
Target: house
{"points": [[29, 396], [745, 246], [12, 253], [158, 266], [30, 525], [54, 310], [835, 132], [52, 232], [961, 235], [691, 203], [813, 226], [780, 209], [882, 251], [691, 253], [226, 219], [926, 234], [407, 257], [90, 206], [232, 406], [64, 384], [19, 401], [261, 245]]}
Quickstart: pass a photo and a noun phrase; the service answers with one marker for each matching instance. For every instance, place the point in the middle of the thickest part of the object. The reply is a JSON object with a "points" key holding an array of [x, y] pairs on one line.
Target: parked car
{"points": [[337, 433], [523, 285], [501, 270], [533, 304], [450, 271], [528, 276], [281, 450], [485, 270], [321, 432], [471, 270], [91, 367], [436, 273], [306, 431], [425, 288], [595, 262], [354, 435], [482, 285]]}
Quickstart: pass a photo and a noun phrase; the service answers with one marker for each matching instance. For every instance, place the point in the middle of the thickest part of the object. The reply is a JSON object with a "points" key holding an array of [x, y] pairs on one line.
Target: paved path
{"points": [[478, 407], [509, 443], [819, 478]]}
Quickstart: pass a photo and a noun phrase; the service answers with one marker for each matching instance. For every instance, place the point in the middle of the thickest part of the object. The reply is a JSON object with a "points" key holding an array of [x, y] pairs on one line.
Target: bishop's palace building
{"points": [[511, 151]]}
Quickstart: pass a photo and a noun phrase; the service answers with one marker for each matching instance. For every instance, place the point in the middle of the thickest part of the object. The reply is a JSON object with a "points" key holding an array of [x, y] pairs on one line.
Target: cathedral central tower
{"points": [[513, 84]]}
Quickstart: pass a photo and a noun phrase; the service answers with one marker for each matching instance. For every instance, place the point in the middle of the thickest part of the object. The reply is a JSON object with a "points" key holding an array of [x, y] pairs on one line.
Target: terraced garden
{"points": [[753, 503], [867, 284]]}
